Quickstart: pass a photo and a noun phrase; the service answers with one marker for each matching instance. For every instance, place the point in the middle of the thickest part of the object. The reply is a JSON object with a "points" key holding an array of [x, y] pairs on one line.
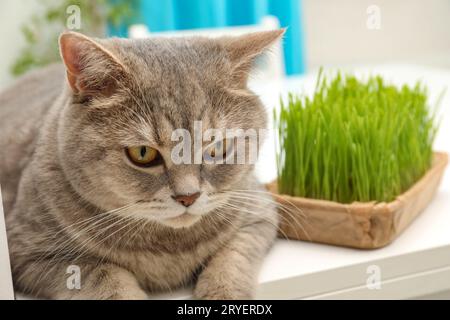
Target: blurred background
{"points": [[321, 32], [406, 34]]}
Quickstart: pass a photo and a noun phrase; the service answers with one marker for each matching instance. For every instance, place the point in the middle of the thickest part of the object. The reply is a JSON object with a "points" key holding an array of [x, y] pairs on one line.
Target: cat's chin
{"points": [[182, 221]]}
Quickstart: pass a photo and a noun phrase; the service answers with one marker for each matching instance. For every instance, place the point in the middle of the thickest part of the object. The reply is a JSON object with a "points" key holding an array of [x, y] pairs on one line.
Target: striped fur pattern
{"points": [[72, 199]]}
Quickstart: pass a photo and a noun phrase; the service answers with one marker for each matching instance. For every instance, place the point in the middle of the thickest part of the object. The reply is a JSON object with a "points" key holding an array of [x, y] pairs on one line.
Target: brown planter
{"points": [[364, 225]]}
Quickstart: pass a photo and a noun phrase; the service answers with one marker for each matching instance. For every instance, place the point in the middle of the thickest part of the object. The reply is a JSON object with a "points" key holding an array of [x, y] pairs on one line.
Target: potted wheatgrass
{"points": [[355, 161]]}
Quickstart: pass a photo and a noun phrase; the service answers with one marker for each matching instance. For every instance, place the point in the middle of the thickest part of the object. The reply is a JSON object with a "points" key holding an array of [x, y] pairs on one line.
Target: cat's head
{"points": [[126, 100]]}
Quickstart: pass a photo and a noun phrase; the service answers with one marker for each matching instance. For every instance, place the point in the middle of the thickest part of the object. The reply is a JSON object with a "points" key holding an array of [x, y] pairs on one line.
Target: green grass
{"points": [[354, 140]]}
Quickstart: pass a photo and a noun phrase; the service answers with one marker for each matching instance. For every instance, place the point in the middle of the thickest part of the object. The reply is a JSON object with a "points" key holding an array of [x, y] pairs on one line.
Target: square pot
{"points": [[364, 225]]}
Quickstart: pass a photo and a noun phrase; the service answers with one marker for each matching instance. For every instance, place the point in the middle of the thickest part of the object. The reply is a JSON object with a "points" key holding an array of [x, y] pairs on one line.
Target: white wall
{"points": [[416, 31]]}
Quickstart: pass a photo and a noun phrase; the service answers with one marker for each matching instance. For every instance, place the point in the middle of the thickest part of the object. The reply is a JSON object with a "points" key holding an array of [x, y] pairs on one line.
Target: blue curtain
{"points": [[169, 15]]}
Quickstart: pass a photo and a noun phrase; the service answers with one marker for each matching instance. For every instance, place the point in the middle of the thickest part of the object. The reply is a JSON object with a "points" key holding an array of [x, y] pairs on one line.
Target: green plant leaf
{"points": [[354, 140]]}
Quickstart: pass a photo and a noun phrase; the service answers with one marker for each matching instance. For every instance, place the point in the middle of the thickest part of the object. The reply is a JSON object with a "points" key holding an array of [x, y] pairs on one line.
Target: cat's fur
{"points": [[71, 198]]}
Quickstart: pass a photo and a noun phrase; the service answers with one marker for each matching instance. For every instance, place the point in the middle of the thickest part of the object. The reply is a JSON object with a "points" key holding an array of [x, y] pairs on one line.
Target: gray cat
{"points": [[89, 185]]}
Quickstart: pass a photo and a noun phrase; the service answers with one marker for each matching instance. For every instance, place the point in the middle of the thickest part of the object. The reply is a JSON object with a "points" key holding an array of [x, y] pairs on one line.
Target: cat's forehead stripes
{"points": [[164, 126]]}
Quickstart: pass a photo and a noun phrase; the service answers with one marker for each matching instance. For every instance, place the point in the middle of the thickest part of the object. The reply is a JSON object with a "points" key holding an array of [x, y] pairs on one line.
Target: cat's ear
{"points": [[91, 69], [243, 50]]}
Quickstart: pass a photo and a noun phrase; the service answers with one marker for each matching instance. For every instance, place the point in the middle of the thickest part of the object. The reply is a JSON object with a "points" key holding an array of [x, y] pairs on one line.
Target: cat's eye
{"points": [[144, 156]]}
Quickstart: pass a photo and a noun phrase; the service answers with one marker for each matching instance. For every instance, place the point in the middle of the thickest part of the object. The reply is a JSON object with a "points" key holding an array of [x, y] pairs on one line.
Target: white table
{"points": [[416, 264], [6, 286]]}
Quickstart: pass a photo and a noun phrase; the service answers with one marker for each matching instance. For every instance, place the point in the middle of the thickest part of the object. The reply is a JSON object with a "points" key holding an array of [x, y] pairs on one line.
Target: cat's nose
{"points": [[186, 199]]}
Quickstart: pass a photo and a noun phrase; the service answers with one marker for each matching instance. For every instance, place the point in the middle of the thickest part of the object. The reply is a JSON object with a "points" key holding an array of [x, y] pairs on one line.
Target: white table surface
{"points": [[6, 286], [416, 264]]}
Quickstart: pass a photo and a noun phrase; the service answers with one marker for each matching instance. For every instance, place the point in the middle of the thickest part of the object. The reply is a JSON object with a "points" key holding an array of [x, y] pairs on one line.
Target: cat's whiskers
{"points": [[120, 219], [55, 252], [52, 232], [270, 221], [270, 195], [115, 244], [287, 210], [100, 219], [237, 196], [261, 208], [63, 241], [67, 245], [57, 260]]}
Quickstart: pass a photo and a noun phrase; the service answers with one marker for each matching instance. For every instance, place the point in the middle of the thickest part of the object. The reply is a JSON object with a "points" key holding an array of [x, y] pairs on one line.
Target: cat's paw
{"points": [[133, 294], [126, 293], [107, 282], [220, 288]]}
